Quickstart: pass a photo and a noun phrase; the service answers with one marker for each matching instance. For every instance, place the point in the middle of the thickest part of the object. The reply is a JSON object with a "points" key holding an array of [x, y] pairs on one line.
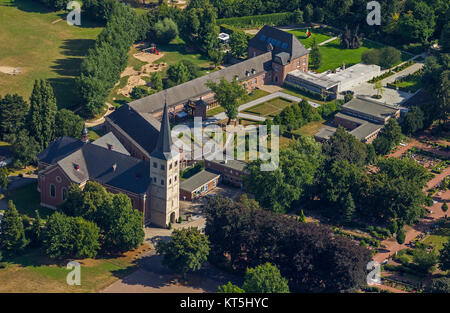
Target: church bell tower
{"points": [[164, 173]]}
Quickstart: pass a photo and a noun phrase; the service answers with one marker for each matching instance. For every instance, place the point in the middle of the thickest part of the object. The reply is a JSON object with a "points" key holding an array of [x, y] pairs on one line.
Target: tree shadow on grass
{"points": [[30, 6], [77, 47]]}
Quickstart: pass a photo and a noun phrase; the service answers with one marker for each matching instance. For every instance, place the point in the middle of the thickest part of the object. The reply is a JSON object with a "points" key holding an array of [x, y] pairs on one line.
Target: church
{"points": [[152, 185]]}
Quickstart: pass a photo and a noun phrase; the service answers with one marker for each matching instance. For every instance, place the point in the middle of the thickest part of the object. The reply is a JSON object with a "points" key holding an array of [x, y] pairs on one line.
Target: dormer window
{"points": [[253, 71], [236, 77], [110, 147]]}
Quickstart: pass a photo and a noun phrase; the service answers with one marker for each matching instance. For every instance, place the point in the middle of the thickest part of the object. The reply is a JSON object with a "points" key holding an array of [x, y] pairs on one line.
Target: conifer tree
{"points": [[41, 117], [349, 208], [315, 55], [12, 236], [444, 207]]}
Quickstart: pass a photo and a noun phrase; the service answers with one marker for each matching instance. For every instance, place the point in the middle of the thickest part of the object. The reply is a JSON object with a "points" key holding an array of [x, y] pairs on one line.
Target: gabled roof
{"points": [[281, 41], [93, 162], [198, 180], [197, 87], [110, 142], [143, 128], [59, 149]]}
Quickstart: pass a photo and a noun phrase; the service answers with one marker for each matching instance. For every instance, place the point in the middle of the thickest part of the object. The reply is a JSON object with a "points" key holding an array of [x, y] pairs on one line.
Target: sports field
{"points": [[43, 46]]}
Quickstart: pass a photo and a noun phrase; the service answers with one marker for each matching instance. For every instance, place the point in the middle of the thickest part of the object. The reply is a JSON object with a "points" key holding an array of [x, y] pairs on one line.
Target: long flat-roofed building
{"points": [[363, 118]]}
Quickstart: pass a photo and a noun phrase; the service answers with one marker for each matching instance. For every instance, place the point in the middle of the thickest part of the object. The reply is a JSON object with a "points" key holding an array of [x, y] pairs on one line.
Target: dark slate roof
{"points": [[198, 180], [59, 149], [280, 40], [282, 58], [110, 142], [143, 128], [196, 87], [163, 149], [107, 167]]}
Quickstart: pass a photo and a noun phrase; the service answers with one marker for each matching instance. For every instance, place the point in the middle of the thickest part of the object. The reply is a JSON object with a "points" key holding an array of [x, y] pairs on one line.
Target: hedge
{"points": [[274, 19], [224, 28]]}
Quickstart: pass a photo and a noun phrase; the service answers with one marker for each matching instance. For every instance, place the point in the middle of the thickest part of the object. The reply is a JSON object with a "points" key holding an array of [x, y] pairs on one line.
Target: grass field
{"points": [[309, 129], [30, 38], [27, 200], [270, 108], [319, 34], [334, 56], [177, 50], [34, 271]]}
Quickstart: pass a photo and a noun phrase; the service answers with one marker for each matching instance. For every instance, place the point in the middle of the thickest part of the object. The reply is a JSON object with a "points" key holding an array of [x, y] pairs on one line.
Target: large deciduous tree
{"points": [[265, 278], [186, 250], [228, 94]]}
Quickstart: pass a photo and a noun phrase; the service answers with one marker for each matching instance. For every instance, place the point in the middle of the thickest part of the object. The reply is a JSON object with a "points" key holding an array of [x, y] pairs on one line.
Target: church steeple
{"points": [[163, 149], [84, 134]]}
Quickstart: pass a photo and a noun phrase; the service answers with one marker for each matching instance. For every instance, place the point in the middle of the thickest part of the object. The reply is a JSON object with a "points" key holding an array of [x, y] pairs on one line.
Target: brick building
{"points": [[151, 183]]}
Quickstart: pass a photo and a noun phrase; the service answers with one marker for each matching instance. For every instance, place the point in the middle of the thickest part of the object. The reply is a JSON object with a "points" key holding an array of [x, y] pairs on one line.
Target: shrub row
{"points": [[274, 19]]}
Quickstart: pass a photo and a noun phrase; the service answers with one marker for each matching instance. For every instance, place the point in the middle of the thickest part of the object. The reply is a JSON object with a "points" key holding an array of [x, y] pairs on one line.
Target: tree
{"points": [[230, 288], [413, 121], [371, 56], [4, 178], [417, 24], [315, 55], [68, 123], [439, 285], [200, 24], [139, 92], [67, 237], [238, 44], [298, 165], [351, 40], [444, 257], [344, 146], [23, 147], [165, 31], [401, 236], [349, 208], [228, 94], [389, 56], [265, 278], [444, 40], [424, 261], [298, 16], [121, 224], [13, 110], [178, 73], [186, 251], [41, 117], [444, 207], [378, 86], [156, 80], [389, 137], [12, 235], [36, 230], [216, 56], [308, 13]]}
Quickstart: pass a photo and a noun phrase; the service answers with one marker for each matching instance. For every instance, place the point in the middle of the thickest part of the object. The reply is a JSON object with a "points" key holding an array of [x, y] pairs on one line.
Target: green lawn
{"points": [[35, 272], [41, 49], [27, 200], [270, 108], [177, 50], [309, 129], [319, 34], [333, 56]]}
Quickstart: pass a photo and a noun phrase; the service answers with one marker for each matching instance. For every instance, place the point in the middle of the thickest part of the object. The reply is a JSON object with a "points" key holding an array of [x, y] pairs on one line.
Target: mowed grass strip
{"points": [[42, 50]]}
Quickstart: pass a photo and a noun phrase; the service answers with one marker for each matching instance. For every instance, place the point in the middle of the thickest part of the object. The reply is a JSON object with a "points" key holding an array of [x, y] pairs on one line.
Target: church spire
{"points": [[163, 147], [84, 134]]}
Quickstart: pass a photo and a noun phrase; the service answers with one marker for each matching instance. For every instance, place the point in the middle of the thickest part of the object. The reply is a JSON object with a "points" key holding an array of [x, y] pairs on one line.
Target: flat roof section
{"points": [[370, 107], [233, 164], [319, 80], [198, 180]]}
